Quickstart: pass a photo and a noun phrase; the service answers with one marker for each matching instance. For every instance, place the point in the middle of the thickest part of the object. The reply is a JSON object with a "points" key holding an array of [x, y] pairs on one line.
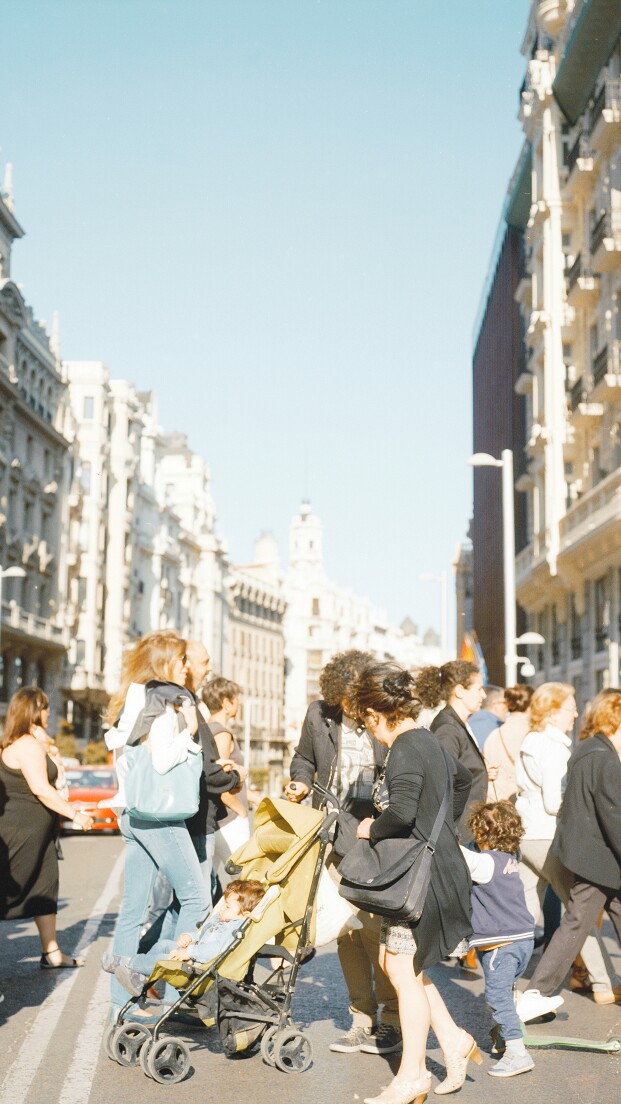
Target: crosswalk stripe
{"points": [[23, 1071]]}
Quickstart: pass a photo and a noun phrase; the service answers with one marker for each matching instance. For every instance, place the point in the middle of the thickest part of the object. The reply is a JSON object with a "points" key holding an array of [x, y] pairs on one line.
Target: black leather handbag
{"points": [[391, 877]]}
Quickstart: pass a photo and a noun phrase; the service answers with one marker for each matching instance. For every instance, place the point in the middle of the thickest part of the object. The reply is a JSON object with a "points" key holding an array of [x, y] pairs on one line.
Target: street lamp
{"points": [[428, 577], [10, 573], [484, 460]]}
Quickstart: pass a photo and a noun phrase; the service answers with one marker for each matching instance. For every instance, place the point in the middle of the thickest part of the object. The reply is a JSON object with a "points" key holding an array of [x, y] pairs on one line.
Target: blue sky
{"points": [[278, 214]]}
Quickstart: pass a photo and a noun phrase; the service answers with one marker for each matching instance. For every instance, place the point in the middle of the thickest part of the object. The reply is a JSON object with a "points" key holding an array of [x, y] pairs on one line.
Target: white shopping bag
{"points": [[334, 914]]}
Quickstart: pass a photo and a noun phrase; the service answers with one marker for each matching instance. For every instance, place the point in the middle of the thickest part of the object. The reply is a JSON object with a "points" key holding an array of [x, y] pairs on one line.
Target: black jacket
{"points": [[588, 834], [416, 773], [315, 755], [452, 733]]}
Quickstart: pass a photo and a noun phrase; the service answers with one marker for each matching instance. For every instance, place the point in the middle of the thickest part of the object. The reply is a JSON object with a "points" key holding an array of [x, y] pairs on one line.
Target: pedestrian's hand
{"points": [[296, 791], [83, 820], [191, 718], [227, 765], [492, 773], [179, 955], [184, 940], [363, 831]]}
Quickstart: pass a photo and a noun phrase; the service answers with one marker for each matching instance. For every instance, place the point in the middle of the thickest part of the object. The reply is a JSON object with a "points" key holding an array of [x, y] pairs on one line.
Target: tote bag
{"points": [[391, 877], [152, 796]]}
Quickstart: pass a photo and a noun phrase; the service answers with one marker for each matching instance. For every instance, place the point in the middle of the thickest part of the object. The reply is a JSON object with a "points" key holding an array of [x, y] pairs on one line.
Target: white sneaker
{"points": [[531, 1004]]}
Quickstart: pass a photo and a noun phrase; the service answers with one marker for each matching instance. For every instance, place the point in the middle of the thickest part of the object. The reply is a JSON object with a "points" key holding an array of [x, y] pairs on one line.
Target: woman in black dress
{"points": [[29, 805], [409, 795]]}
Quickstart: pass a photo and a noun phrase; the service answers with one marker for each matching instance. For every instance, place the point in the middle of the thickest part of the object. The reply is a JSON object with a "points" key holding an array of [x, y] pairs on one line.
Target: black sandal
{"points": [[45, 964]]}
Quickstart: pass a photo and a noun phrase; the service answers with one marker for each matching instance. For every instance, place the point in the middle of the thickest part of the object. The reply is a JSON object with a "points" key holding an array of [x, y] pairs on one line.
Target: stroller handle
{"points": [[327, 795]]}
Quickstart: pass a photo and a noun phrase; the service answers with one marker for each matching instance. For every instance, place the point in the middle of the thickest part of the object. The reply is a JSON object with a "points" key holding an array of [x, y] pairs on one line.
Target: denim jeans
{"points": [[502, 967], [205, 845], [153, 846]]}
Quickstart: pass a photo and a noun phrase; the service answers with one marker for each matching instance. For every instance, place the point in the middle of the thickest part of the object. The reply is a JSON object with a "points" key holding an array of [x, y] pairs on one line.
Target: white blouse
{"points": [[541, 776]]}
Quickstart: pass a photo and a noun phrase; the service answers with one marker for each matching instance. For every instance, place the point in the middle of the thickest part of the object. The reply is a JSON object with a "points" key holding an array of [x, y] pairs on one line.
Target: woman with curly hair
{"points": [[460, 685], [408, 797], [587, 842], [344, 758]]}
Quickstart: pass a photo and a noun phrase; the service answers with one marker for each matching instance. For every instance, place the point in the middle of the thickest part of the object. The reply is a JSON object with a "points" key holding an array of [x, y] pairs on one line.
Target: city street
{"points": [[52, 1023]]}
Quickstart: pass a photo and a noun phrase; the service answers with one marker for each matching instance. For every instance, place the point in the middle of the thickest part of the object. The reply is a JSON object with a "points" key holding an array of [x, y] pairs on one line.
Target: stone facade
{"points": [[569, 572], [34, 480]]}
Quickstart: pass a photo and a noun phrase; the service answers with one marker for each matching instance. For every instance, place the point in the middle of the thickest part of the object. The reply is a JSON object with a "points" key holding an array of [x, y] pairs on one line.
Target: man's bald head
{"points": [[199, 661]]}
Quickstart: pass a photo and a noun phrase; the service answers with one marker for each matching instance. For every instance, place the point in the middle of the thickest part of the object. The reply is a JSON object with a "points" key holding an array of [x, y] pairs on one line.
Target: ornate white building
{"points": [[323, 618], [34, 478], [569, 574]]}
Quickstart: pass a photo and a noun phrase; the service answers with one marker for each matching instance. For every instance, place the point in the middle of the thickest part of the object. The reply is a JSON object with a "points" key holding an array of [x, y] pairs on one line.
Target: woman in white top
{"points": [[153, 846], [541, 774]]}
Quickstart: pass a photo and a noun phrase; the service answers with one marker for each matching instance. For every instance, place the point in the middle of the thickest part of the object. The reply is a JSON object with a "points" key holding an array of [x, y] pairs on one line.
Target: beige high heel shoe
{"points": [[456, 1067], [401, 1091]]}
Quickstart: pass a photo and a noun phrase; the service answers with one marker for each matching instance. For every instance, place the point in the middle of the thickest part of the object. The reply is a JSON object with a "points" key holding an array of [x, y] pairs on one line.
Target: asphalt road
{"points": [[51, 1024]]}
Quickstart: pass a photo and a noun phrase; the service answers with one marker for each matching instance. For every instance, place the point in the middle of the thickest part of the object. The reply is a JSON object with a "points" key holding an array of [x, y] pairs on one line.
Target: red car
{"points": [[88, 786]]}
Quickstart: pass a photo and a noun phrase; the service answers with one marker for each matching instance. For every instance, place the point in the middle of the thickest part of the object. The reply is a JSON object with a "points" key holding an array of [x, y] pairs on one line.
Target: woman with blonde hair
{"points": [[30, 806], [541, 773], [158, 662], [588, 843]]}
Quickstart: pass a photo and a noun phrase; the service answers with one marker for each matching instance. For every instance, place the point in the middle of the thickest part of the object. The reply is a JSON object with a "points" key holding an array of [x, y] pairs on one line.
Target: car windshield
{"points": [[91, 779]]}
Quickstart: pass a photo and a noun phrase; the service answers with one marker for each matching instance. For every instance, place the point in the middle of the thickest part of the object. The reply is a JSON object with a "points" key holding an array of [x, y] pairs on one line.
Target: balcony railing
{"points": [[600, 230], [600, 365], [609, 96], [580, 150], [13, 616], [601, 639], [575, 272], [577, 394], [607, 361]]}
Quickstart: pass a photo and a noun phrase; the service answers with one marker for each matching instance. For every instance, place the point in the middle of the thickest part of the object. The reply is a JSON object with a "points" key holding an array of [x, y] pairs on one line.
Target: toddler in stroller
{"points": [[237, 903], [285, 854]]}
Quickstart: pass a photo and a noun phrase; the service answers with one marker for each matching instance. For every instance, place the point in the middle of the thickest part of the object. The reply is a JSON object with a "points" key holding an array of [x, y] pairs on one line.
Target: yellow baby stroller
{"points": [[286, 851]]}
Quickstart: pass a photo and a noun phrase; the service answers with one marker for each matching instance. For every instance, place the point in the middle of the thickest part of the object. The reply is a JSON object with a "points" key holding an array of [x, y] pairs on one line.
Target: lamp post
{"points": [[484, 460], [10, 573], [428, 577]]}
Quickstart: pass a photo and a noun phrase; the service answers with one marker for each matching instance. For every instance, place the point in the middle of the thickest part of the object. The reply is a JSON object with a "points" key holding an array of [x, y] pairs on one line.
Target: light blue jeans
{"points": [[153, 846]]}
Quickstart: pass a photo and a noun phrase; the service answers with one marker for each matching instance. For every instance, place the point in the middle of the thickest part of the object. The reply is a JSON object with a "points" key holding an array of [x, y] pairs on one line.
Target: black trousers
{"points": [[585, 903]]}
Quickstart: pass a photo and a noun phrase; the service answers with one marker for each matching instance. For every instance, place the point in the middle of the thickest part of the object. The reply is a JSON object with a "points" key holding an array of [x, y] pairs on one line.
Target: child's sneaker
{"points": [[130, 979], [511, 1065]]}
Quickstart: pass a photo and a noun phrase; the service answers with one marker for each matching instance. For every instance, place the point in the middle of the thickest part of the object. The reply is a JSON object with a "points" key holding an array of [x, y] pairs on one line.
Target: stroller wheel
{"points": [[293, 1051], [168, 1061], [107, 1039], [267, 1045], [127, 1042], [145, 1050]]}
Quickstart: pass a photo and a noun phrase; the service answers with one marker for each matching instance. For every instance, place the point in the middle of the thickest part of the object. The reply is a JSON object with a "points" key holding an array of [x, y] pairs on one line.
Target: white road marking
{"points": [[23, 1071], [79, 1079]]}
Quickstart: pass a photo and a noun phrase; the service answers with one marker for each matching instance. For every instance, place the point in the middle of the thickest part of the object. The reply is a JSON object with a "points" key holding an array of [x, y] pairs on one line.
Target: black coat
{"points": [[316, 753], [452, 733], [588, 834], [416, 779]]}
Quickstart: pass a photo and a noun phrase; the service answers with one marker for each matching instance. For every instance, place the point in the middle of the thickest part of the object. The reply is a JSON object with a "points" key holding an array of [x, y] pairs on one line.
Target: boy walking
{"points": [[503, 928]]}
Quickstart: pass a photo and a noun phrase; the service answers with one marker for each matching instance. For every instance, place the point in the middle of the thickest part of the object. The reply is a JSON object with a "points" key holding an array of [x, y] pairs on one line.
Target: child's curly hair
{"points": [[248, 893], [497, 825]]}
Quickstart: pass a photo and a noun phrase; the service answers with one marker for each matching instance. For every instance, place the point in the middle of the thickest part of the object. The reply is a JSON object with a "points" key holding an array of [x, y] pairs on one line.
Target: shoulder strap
{"points": [[505, 748], [443, 810]]}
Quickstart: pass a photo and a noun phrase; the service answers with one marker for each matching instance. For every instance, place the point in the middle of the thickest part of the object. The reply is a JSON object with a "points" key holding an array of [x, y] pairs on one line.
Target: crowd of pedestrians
{"points": [[528, 817]]}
